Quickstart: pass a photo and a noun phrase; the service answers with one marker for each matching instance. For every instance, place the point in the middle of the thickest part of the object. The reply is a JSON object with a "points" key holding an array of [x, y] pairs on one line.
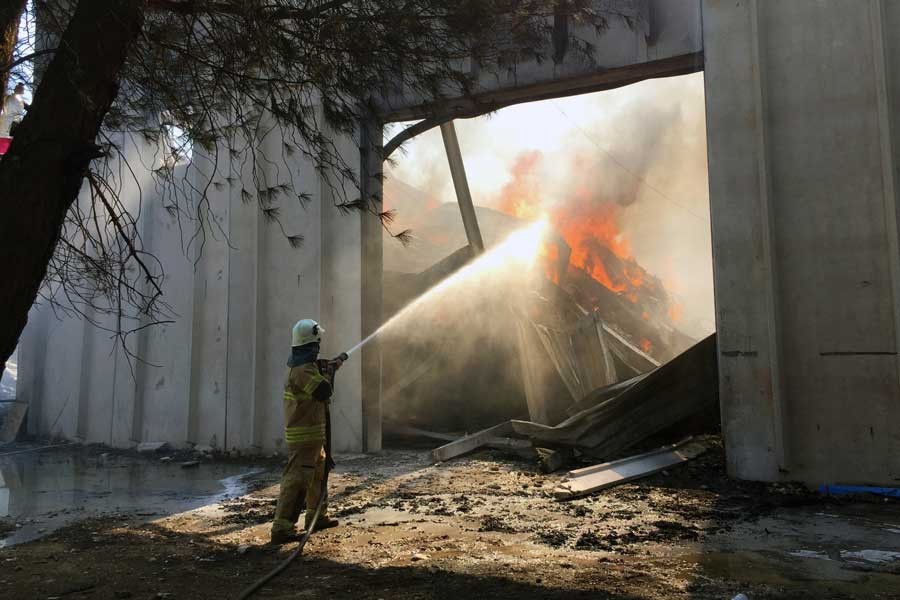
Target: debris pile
{"points": [[619, 416], [579, 358]]}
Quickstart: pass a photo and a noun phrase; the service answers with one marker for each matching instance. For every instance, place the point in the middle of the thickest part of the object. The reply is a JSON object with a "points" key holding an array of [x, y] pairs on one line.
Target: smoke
{"points": [[628, 165], [453, 350], [624, 169]]}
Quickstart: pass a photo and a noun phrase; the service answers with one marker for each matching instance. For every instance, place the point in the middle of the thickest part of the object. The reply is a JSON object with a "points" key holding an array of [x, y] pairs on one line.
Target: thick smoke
{"points": [[641, 148], [458, 346], [627, 165]]}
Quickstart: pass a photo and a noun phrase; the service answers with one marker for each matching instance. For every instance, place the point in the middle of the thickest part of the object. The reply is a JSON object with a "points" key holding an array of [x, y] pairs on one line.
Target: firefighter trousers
{"points": [[302, 478]]}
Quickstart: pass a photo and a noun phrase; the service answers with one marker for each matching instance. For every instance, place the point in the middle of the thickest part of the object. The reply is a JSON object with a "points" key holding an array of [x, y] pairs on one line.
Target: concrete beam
{"points": [[486, 102], [642, 39]]}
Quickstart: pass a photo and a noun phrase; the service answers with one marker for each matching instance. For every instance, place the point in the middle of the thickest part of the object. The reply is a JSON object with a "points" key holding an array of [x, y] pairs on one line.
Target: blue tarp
{"points": [[843, 490]]}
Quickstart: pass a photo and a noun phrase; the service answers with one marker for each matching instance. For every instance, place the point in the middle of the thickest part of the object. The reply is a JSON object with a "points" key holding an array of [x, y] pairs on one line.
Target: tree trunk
{"points": [[42, 172], [10, 15]]}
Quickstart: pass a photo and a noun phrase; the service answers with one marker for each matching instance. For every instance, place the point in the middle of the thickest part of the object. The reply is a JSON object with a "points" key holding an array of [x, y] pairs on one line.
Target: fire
{"points": [[675, 312], [590, 227], [549, 257], [520, 197], [646, 345]]}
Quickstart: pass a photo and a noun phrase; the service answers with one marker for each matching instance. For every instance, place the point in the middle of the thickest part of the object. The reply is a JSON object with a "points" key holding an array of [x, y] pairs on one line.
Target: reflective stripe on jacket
{"points": [[306, 393]]}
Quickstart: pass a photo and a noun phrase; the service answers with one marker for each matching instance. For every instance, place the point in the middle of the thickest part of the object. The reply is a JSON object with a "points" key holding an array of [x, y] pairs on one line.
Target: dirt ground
{"points": [[485, 526]]}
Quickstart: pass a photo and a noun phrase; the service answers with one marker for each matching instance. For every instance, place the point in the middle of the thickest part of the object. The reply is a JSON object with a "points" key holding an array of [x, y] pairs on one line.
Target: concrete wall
{"points": [[215, 376], [802, 109]]}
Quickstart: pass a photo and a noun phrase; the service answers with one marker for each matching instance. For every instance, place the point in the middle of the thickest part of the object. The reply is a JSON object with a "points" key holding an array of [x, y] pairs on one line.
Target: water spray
{"points": [[520, 247]]}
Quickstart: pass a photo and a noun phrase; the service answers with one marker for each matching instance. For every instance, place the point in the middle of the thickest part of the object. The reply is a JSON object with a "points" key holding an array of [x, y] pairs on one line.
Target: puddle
{"points": [[42, 492], [870, 555], [810, 554]]}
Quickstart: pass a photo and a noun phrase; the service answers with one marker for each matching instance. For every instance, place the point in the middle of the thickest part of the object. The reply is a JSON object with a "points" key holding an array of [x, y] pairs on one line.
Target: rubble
{"points": [[588, 480], [612, 418], [152, 446], [543, 349], [493, 436], [686, 386], [551, 461]]}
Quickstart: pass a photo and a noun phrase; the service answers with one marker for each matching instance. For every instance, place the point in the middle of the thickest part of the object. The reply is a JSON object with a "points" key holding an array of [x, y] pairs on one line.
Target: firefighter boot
{"points": [[323, 522], [282, 536]]}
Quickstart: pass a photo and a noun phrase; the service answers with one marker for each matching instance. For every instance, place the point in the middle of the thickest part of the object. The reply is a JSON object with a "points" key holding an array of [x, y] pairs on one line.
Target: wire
{"points": [[36, 449], [625, 168]]}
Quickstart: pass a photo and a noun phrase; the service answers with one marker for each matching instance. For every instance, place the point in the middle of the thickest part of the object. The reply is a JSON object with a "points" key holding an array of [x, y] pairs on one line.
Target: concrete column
{"points": [[209, 316], [741, 231], [243, 282], [802, 139], [289, 278], [342, 299], [32, 353], [371, 282]]}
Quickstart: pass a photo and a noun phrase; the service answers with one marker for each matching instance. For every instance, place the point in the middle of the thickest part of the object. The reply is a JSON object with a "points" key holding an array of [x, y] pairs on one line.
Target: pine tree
{"points": [[217, 69]]}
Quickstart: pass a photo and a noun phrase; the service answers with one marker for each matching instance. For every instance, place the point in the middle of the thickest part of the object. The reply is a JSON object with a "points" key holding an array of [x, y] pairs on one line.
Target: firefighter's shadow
{"points": [[201, 565]]}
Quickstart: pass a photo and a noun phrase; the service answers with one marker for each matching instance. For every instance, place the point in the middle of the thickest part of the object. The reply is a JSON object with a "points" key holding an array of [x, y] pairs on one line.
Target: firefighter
{"points": [[307, 391]]}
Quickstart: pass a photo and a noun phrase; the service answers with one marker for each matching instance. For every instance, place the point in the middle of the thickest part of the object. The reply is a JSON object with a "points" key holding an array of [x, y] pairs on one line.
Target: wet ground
{"points": [[485, 526], [41, 491]]}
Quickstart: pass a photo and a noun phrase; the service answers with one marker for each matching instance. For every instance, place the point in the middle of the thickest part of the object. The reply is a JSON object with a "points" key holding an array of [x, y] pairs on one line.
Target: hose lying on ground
{"points": [[299, 550]]}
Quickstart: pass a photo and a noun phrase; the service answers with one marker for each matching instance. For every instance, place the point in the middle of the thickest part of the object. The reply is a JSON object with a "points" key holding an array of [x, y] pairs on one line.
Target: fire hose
{"points": [[329, 367]]}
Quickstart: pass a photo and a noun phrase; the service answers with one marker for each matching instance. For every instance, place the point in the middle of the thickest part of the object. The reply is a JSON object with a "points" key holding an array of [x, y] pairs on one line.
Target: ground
{"points": [[485, 526]]}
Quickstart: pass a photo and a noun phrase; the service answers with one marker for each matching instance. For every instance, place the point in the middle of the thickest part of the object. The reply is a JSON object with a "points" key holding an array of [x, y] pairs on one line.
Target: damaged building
{"points": [[554, 415], [193, 390]]}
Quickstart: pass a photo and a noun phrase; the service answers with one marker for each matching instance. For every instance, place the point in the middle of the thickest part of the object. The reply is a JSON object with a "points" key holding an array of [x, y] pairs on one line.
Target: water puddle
{"points": [[871, 555], [41, 492], [810, 554]]}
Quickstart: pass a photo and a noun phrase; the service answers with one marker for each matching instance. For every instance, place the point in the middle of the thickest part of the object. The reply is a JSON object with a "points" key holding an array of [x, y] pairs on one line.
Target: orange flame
{"points": [[589, 227], [519, 197], [676, 311], [646, 345]]}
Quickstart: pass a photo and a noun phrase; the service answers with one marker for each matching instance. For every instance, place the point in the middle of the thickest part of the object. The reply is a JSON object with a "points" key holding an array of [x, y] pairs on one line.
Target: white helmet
{"points": [[306, 331]]}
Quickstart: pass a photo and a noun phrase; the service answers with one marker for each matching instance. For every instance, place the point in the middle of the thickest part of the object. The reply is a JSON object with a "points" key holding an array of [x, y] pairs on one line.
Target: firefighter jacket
{"points": [[306, 394]]}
